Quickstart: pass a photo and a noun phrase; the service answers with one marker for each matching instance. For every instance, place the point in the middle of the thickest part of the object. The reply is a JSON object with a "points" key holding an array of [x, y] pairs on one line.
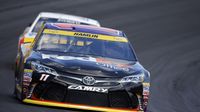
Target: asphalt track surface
{"points": [[164, 33]]}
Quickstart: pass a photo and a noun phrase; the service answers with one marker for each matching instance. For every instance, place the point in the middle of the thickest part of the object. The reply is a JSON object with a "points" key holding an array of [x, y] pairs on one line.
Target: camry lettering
{"points": [[88, 88]]}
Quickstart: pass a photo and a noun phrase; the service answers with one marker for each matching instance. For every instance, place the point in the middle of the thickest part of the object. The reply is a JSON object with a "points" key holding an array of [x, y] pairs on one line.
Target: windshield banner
{"points": [[86, 35]]}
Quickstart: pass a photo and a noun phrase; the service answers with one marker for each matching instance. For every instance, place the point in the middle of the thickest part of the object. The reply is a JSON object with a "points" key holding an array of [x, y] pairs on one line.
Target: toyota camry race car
{"points": [[82, 67], [49, 17]]}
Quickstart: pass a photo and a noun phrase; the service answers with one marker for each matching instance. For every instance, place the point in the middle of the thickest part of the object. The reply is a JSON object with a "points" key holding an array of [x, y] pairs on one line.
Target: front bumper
{"points": [[75, 106], [116, 97], [56, 93]]}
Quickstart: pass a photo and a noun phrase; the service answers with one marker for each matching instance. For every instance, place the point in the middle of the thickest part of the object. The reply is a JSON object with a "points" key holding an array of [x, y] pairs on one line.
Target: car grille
{"points": [[69, 80], [104, 81], [58, 92], [87, 98], [121, 99], [55, 92]]}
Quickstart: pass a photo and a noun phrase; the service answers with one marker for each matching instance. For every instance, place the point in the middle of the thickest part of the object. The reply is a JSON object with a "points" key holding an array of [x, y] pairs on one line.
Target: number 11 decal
{"points": [[44, 77]]}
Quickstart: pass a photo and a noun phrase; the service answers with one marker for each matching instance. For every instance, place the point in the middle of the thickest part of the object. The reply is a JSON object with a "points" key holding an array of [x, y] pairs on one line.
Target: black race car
{"points": [[83, 67]]}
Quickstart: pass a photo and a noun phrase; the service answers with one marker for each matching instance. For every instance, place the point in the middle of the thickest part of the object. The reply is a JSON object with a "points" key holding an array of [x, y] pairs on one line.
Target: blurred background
{"points": [[165, 36]]}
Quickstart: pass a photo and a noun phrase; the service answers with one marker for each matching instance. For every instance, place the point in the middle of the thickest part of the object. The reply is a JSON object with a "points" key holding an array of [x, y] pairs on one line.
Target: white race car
{"points": [[49, 17]]}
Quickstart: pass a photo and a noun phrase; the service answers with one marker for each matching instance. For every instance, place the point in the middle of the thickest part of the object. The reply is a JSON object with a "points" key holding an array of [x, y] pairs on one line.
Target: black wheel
{"points": [[19, 82]]}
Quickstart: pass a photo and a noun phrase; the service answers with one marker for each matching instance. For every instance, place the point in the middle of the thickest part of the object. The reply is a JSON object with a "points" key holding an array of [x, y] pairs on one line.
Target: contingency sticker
{"points": [[28, 72]]}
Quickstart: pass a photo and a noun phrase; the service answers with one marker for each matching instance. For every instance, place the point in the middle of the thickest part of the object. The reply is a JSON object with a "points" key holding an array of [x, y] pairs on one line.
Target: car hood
{"points": [[88, 65]]}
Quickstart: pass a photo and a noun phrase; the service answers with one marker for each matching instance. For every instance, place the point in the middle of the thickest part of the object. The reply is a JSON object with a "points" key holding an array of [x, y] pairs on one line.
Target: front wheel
{"points": [[18, 90]]}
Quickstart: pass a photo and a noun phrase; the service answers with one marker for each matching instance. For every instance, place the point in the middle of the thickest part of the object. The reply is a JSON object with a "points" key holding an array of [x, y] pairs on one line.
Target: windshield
{"points": [[43, 20], [85, 46]]}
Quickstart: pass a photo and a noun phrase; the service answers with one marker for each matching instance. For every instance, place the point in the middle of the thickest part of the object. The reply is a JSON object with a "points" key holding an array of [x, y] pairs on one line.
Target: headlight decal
{"points": [[133, 78], [43, 69]]}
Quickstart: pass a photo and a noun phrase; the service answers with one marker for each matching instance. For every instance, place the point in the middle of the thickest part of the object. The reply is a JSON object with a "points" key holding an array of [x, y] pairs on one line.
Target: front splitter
{"points": [[76, 106]]}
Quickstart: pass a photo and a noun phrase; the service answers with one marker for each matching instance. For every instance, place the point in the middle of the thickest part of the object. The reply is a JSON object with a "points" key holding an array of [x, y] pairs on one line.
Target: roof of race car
{"points": [[70, 17], [85, 28]]}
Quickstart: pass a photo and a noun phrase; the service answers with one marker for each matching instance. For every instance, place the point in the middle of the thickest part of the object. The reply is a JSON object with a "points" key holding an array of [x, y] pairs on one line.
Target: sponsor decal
{"points": [[66, 21], [28, 40], [146, 93], [88, 88], [99, 62], [28, 72], [44, 56], [146, 89], [27, 79], [86, 35], [75, 58], [146, 84], [112, 66]]}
